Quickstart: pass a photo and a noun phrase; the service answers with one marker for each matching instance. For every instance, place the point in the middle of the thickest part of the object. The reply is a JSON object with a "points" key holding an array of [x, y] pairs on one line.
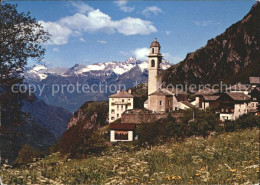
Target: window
{"points": [[117, 115], [226, 110], [117, 107], [112, 111], [112, 104], [160, 102], [152, 50], [153, 63], [129, 104], [122, 106], [121, 135], [123, 100], [112, 118], [238, 110], [222, 110], [169, 103]]}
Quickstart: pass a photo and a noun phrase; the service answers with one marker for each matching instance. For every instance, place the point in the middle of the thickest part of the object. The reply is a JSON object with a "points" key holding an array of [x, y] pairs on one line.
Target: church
{"points": [[161, 99]]}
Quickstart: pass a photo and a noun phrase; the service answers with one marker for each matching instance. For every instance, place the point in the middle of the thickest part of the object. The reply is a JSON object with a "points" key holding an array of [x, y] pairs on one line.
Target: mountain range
{"points": [[109, 74]]}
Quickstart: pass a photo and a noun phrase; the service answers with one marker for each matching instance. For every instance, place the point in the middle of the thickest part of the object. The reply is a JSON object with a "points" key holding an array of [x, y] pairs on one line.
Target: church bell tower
{"points": [[154, 67]]}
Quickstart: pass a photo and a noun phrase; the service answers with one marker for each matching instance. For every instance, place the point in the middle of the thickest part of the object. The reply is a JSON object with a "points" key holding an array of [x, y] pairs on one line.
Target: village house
{"points": [[121, 132], [233, 105], [205, 98], [119, 103]]}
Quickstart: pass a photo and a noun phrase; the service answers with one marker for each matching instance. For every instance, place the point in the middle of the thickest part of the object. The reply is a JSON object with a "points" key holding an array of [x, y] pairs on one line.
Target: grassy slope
{"points": [[224, 159]]}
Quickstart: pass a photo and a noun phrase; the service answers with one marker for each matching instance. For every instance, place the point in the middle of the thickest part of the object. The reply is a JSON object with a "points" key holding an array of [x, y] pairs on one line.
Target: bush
{"points": [[27, 154], [243, 122]]}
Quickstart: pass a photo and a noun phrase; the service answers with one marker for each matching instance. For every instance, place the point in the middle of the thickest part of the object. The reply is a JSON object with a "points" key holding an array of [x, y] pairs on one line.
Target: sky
{"points": [[87, 32]]}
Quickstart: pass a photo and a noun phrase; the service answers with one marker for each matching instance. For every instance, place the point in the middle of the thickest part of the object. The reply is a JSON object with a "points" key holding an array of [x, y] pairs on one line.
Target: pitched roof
{"points": [[122, 94], [254, 80], [162, 92], [177, 91], [210, 98], [239, 96], [122, 126], [239, 87], [187, 104], [206, 91]]}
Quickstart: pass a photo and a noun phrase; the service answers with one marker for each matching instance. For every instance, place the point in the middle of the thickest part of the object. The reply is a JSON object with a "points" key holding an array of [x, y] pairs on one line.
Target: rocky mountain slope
{"points": [[78, 137], [108, 74], [233, 55]]}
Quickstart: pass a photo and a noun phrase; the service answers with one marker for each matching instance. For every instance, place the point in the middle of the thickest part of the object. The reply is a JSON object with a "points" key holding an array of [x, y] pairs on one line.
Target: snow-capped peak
{"points": [[40, 72], [39, 67]]}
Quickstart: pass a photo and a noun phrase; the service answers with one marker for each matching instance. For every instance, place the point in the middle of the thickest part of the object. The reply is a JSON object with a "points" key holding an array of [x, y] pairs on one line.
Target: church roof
{"points": [[155, 43], [162, 92], [177, 91], [122, 94]]}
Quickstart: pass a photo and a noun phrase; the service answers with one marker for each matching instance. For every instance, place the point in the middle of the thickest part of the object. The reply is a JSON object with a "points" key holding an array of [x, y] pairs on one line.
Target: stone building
{"points": [[119, 103], [233, 105]]}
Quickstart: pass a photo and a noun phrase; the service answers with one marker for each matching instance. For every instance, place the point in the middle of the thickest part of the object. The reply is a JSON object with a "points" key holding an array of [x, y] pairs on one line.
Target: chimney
{"points": [[129, 91], [118, 91]]}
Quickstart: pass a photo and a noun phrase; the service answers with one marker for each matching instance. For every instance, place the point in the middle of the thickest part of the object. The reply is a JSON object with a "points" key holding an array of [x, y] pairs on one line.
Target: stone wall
{"points": [[144, 117]]}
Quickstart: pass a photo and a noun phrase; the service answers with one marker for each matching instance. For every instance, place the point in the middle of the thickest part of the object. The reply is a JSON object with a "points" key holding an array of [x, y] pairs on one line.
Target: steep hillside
{"points": [[229, 158], [233, 55], [77, 139]]}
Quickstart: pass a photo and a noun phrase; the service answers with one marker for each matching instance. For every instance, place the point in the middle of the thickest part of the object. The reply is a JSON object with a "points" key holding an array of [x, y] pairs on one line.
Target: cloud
{"points": [[151, 11], [123, 6], [82, 39], [59, 33], [82, 7], [141, 53], [102, 41], [134, 26], [206, 23], [95, 21]]}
